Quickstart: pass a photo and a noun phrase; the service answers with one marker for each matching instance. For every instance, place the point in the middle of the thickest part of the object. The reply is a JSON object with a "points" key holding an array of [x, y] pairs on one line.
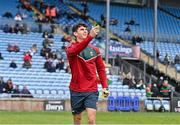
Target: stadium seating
{"points": [[166, 24], [157, 104], [166, 105], [149, 105]]}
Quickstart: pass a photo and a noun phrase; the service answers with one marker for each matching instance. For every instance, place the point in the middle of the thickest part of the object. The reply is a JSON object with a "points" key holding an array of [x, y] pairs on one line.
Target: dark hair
{"points": [[75, 27]]}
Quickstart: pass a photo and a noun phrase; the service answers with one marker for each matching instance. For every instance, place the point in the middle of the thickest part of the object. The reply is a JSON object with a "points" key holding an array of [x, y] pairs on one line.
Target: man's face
{"points": [[81, 33]]}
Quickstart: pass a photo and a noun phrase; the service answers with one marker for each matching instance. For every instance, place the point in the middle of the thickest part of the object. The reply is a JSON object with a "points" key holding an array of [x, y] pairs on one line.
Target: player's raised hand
{"points": [[94, 31]]}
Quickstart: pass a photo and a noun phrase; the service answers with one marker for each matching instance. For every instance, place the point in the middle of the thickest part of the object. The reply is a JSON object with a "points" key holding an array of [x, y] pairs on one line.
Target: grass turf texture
{"points": [[102, 118]]}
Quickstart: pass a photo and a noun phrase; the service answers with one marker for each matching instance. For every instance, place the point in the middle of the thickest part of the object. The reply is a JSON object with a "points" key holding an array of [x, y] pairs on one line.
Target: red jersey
{"points": [[85, 61]]}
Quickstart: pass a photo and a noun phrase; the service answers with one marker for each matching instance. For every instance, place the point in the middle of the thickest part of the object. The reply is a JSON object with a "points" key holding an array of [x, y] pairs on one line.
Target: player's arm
{"points": [[102, 76], [75, 49], [101, 71]]}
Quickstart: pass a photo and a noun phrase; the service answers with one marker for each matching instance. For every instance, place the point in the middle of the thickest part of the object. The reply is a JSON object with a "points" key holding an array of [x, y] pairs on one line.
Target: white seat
{"points": [[157, 104]]}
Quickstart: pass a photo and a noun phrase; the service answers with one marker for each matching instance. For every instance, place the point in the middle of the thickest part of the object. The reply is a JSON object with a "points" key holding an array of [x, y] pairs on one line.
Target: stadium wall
{"points": [[28, 104]]}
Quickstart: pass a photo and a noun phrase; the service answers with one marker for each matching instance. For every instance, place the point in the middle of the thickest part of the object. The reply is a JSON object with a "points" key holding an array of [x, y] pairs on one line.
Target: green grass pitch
{"points": [[102, 118]]}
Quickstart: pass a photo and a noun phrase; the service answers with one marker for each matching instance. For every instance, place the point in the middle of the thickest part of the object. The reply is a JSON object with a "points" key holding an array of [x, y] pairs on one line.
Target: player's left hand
{"points": [[105, 92]]}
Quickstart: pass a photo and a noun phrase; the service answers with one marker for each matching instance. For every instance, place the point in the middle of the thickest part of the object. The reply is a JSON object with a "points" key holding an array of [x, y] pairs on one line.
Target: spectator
{"points": [[148, 92], [132, 83], [8, 15], [165, 90], [1, 58], [113, 21], [47, 42], [2, 85], [117, 60], [26, 93], [140, 85], [13, 48], [160, 82], [18, 17], [177, 59], [27, 60], [167, 59], [103, 20], [16, 91], [127, 79], [68, 69], [127, 29], [9, 86], [157, 53], [13, 64], [47, 35], [6, 28], [51, 66], [60, 64], [132, 22], [33, 49], [155, 91], [177, 88]]}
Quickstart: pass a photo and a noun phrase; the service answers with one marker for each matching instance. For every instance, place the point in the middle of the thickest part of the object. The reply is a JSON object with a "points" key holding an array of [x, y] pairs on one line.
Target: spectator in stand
{"points": [[6, 28], [157, 53], [47, 42], [167, 59], [18, 17], [33, 49], [132, 22], [149, 84], [23, 28], [27, 60], [177, 59], [13, 48], [85, 12], [165, 89], [47, 35], [60, 64], [177, 88], [155, 91], [16, 91], [132, 83], [13, 64], [136, 39], [140, 85], [53, 12], [51, 65], [8, 15], [127, 79], [160, 82], [103, 20], [68, 69], [9, 86], [2, 85], [48, 13], [127, 29], [1, 58], [26, 93], [148, 92]]}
